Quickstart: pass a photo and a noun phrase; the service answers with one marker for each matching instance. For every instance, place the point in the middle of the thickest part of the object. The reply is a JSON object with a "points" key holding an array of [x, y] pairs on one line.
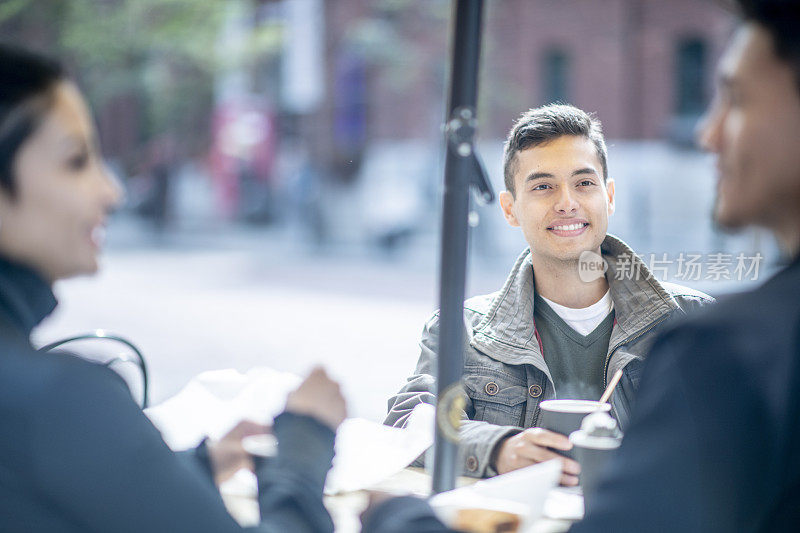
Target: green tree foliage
{"points": [[162, 55]]}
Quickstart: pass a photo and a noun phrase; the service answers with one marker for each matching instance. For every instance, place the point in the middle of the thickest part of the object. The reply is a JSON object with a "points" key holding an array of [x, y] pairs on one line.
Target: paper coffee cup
{"points": [[565, 416]]}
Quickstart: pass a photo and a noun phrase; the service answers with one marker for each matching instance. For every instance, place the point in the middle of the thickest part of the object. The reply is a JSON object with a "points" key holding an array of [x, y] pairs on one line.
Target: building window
{"points": [[555, 76], [690, 77]]}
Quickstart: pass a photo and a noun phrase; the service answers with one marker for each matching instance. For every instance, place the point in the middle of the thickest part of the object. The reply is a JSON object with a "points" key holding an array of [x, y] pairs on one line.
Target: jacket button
{"points": [[535, 391], [491, 388], [472, 463]]}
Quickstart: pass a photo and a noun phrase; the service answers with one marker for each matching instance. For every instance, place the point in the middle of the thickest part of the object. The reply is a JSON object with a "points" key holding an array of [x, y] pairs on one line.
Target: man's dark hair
{"points": [[27, 81], [539, 126], [781, 18]]}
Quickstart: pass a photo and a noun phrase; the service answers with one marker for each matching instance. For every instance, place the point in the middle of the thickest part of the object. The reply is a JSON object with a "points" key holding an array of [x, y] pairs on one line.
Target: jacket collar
{"points": [[639, 299], [25, 296], [508, 328]]}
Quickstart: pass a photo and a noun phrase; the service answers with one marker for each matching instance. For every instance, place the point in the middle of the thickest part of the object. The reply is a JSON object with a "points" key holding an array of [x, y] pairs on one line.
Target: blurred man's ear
{"points": [[507, 205], [610, 190]]}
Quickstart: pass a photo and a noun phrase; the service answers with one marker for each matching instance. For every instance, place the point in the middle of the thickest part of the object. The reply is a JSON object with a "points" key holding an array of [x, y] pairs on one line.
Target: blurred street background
{"points": [[283, 162]]}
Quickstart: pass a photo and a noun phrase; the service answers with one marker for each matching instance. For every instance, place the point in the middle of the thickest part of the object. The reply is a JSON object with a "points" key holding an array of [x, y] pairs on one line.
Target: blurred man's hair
{"points": [[539, 126], [781, 18]]}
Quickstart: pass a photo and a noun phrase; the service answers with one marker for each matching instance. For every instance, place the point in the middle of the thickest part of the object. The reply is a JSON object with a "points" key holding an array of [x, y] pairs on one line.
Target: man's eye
{"points": [[541, 187], [730, 98], [78, 161], [586, 183]]}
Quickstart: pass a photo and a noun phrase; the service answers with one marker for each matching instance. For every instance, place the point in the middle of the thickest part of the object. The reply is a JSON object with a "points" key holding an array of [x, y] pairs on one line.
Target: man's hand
{"points": [[530, 447], [319, 397], [227, 455]]}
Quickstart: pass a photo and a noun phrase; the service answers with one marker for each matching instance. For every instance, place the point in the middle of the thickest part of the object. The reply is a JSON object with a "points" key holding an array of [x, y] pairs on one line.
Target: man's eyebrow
{"points": [[541, 175], [538, 175], [72, 141], [585, 170]]}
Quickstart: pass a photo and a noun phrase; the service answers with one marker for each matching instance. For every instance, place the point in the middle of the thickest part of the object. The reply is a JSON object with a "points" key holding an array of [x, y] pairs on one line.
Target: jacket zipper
{"points": [[626, 341], [607, 362]]}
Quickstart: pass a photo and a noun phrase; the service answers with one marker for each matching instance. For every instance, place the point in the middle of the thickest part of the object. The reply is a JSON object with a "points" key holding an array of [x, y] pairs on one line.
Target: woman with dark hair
{"points": [[76, 453]]}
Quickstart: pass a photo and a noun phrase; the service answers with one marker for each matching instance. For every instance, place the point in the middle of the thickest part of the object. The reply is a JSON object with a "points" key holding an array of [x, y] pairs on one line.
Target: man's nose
{"points": [[709, 130], [566, 202]]}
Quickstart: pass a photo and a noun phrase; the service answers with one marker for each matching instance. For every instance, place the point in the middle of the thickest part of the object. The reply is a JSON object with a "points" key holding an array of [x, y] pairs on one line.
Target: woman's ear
{"points": [[507, 205]]}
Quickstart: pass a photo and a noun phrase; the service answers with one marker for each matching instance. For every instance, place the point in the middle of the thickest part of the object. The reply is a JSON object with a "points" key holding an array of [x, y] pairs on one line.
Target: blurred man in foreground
{"points": [[714, 440], [714, 444]]}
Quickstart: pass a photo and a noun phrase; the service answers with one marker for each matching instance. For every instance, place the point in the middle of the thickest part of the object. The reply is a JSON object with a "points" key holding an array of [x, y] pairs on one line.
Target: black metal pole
{"points": [[459, 173]]}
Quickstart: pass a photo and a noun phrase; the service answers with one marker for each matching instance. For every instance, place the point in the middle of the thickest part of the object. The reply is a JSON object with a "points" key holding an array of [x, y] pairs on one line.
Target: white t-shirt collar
{"points": [[584, 320]]}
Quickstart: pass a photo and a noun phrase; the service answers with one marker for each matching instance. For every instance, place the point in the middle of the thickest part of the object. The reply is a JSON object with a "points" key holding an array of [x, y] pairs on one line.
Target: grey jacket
{"points": [[505, 375]]}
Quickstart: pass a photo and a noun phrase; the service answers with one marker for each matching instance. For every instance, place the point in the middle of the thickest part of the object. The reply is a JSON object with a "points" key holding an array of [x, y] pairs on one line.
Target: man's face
{"points": [[753, 127], [561, 202]]}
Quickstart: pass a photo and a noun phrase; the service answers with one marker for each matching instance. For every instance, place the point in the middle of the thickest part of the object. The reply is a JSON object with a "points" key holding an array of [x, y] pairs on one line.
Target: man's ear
{"points": [[507, 205], [611, 196]]}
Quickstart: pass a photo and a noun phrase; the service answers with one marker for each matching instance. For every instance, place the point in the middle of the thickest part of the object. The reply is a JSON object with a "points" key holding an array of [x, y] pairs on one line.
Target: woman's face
{"points": [[56, 220]]}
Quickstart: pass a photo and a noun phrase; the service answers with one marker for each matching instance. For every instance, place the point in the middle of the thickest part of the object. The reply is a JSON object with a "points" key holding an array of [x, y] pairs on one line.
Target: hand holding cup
{"points": [[536, 445]]}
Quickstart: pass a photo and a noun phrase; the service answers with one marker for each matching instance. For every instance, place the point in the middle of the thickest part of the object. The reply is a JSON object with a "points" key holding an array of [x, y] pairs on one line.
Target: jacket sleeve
{"points": [[689, 300], [96, 456], [478, 438], [290, 486], [421, 386], [198, 457]]}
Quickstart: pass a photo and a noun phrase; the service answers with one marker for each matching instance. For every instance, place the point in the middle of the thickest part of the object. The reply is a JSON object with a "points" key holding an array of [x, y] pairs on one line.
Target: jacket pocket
{"points": [[496, 400]]}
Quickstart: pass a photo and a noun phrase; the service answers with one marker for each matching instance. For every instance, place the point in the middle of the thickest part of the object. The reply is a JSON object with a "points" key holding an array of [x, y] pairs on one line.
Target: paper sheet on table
{"points": [[564, 503], [368, 452], [213, 402], [527, 486]]}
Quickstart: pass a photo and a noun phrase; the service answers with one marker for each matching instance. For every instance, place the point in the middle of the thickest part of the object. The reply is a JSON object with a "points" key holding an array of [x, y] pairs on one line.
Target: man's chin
{"points": [[567, 250], [727, 221], [567, 256]]}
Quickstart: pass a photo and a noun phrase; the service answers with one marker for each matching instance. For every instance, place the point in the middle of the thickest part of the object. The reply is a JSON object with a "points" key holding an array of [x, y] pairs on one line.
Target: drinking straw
{"points": [[611, 385]]}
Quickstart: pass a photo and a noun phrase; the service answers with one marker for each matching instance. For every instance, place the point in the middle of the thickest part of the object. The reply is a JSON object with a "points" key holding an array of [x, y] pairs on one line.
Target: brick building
{"points": [[645, 66]]}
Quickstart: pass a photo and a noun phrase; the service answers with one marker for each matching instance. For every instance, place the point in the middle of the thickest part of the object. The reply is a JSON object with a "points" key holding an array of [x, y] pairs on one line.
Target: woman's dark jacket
{"points": [[77, 454]]}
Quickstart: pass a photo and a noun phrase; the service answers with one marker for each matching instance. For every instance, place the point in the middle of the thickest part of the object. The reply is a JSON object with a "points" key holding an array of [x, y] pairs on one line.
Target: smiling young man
{"points": [[559, 327]]}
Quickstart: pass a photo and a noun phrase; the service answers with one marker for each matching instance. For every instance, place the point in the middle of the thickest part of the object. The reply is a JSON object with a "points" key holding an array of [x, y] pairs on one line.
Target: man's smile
{"points": [[568, 228]]}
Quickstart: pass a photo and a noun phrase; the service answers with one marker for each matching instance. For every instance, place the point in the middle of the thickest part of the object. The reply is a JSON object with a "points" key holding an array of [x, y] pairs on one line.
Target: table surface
{"points": [[345, 509]]}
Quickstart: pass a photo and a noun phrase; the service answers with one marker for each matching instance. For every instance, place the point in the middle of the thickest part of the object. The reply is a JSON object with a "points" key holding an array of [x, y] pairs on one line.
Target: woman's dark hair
{"points": [[781, 18], [27, 81]]}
